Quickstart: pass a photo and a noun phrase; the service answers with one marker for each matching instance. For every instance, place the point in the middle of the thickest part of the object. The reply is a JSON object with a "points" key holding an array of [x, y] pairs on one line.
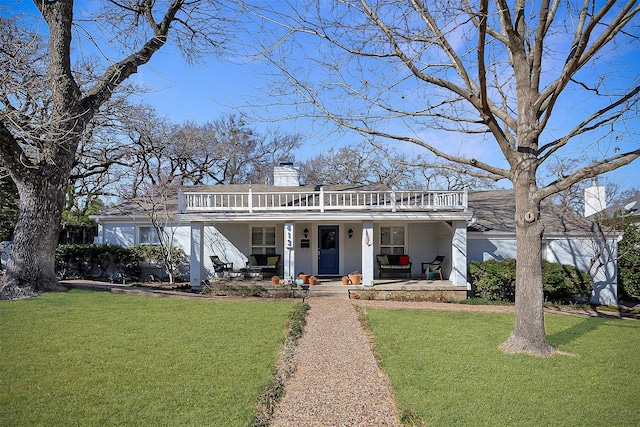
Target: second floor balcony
{"points": [[307, 200]]}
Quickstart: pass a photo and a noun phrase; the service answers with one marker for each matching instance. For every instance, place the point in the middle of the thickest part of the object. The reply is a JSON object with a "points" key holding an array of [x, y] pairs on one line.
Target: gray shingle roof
{"points": [[495, 210], [630, 206], [141, 206]]}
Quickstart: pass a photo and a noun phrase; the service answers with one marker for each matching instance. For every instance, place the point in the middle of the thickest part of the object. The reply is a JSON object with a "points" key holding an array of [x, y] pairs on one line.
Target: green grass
{"points": [[87, 359], [446, 370]]}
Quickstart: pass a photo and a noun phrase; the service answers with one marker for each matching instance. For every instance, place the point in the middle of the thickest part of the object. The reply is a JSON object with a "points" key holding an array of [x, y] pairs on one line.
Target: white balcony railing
{"points": [[321, 201]]}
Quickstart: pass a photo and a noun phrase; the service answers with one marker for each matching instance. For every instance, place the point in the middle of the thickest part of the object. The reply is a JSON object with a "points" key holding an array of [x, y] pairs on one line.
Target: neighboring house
{"points": [[629, 206], [334, 230]]}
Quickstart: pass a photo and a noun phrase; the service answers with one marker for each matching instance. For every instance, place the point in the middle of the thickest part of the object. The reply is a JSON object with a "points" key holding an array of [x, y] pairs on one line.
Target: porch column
{"points": [[459, 254], [196, 263], [367, 253], [289, 252]]}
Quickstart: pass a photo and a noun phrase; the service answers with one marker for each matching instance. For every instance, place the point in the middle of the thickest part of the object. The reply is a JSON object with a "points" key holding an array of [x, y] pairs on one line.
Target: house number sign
{"points": [[288, 238]]}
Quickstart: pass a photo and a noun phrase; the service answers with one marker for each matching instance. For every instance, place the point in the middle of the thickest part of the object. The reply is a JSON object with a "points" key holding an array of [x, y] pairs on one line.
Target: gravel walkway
{"points": [[337, 381]]}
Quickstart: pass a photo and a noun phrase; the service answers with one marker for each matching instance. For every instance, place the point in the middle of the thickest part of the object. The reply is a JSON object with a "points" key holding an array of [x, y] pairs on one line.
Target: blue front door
{"points": [[328, 253]]}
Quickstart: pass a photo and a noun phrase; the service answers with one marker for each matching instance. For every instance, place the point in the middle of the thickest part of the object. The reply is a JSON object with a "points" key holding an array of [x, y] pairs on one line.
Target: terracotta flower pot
{"points": [[313, 281], [355, 279], [305, 278], [345, 280]]}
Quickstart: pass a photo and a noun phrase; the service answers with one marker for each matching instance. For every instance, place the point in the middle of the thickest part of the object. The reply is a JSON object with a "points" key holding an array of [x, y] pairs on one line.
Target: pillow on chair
{"points": [[403, 260]]}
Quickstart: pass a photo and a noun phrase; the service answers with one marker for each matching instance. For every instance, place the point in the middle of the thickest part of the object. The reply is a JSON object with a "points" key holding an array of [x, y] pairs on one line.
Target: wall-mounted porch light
{"points": [[305, 232], [350, 233]]}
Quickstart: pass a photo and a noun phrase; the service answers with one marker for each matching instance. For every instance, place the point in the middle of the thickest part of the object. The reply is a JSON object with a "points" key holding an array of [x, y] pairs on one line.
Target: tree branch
{"points": [[590, 171]]}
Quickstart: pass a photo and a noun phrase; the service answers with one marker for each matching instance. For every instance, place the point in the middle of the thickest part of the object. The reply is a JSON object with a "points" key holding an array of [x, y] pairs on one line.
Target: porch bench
{"points": [[393, 264], [264, 263]]}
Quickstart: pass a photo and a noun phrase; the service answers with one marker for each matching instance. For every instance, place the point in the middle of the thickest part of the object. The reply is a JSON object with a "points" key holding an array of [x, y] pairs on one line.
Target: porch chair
{"points": [[219, 266], [435, 267]]}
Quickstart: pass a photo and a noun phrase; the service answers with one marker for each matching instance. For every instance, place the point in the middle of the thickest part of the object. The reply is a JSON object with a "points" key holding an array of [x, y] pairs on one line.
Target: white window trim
{"points": [[156, 237], [264, 248], [391, 245]]}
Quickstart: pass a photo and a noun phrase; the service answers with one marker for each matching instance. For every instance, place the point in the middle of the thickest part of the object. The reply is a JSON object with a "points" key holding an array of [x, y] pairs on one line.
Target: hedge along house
{"points": [[333, 230]]}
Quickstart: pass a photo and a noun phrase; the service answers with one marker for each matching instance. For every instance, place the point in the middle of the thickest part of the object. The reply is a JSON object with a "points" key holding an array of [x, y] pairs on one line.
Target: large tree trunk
{"points": [[31, 265], [528, 335], [40, 156]]}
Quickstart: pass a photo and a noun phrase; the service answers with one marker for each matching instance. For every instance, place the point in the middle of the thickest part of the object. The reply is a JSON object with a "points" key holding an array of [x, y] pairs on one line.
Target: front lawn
{"points": [[98, 359], [446, 370]]}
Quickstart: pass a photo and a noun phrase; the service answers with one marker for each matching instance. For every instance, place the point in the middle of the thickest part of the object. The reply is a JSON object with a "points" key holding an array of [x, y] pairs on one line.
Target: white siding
{"points": [[305, 258], [579, 253], [351, 248], [182, 238], [423, 242], [484, 249], [122, 234], [229, 241], [574, 251]]}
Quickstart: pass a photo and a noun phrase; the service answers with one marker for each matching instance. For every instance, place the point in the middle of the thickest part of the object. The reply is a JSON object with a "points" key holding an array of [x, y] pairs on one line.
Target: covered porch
{"points": [[331, 233]]}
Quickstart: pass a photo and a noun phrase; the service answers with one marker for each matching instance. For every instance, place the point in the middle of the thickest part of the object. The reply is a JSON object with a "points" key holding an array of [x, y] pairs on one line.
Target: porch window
{"points": [[392, 240], [263, 240], [147, 235]]}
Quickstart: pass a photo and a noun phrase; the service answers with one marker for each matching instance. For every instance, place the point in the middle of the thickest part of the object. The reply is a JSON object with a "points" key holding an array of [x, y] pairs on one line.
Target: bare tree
{"points": [[45, 110], [525, 80], [349, 165], [366, 164], [158, 204], [102, 159], [225, 151]]}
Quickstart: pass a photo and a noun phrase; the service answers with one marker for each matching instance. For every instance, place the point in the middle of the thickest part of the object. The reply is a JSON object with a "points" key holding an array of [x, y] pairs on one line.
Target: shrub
{"points": [[629, 261], [565, 282], [96, 261], [153, 254], [496, 281]]}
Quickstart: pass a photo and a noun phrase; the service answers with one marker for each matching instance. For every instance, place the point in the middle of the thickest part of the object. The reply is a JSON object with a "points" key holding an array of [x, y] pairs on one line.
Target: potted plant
{"points": [[313, 280], [275, 280], [305, 277], [355, 277], [345, 280]]}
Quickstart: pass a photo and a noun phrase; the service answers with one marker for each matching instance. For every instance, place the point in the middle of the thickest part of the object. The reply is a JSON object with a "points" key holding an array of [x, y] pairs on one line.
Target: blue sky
{"points": [[205, 91]]}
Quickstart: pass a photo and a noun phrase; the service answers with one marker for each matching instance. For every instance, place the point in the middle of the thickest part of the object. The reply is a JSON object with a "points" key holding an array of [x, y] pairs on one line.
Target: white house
{"points": [[333, 230]]}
